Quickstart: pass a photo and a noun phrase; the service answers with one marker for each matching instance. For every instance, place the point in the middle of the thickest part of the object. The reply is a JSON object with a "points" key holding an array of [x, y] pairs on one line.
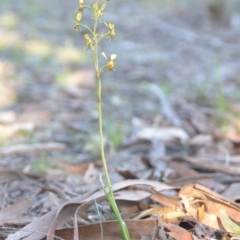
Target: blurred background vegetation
{"points": [[47, 79]]}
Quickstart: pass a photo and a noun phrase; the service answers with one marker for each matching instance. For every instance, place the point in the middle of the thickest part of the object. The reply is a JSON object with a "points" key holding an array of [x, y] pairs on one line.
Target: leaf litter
{"points": [[183, 171], [169, 208]]}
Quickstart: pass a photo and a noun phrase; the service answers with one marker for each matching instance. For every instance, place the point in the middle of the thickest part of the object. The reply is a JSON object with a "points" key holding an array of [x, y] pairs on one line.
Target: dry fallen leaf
{"points": [[177, 232], [65, 213], [13, 214], [169, 215], [7, 175], [165, 134], [91, 174], [110, 230], [210, 165], [34, 148], [71, 169], [47, 224], [198, 195], [165, 200], [200, 140], [201, 213]]}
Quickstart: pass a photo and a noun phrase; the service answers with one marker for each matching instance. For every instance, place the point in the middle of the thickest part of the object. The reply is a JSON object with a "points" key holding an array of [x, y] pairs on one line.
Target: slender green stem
{"points": [[99, 101], [102, 36], [88, 7], [95, 51], [123, 226], [89, 29], [109, 193], [101, 133]]}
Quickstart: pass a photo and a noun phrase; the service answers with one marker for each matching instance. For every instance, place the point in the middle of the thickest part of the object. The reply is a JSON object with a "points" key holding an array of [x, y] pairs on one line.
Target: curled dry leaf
{"points": [[214, 204], [47, 224], [99, 197]]}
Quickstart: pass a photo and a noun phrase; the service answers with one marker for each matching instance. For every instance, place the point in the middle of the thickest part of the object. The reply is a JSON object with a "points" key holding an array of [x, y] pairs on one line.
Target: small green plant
{"points": [[42, 164], [222, 105], [221, 101], [115, 134], [93, 38]]}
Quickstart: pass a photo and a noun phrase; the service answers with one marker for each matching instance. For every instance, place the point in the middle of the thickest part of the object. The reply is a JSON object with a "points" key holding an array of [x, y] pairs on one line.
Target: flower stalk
{"points": [[92, 42]]}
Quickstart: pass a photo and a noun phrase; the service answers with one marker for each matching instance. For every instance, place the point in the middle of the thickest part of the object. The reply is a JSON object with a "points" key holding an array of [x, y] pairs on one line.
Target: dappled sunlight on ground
{"points": [[9, 20], [38, 48], [69, 53], [8, 38]]}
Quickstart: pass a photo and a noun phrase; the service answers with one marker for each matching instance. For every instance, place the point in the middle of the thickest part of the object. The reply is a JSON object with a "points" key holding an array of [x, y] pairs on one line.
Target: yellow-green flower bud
{"points": [[110, 65], [79, 17]]}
